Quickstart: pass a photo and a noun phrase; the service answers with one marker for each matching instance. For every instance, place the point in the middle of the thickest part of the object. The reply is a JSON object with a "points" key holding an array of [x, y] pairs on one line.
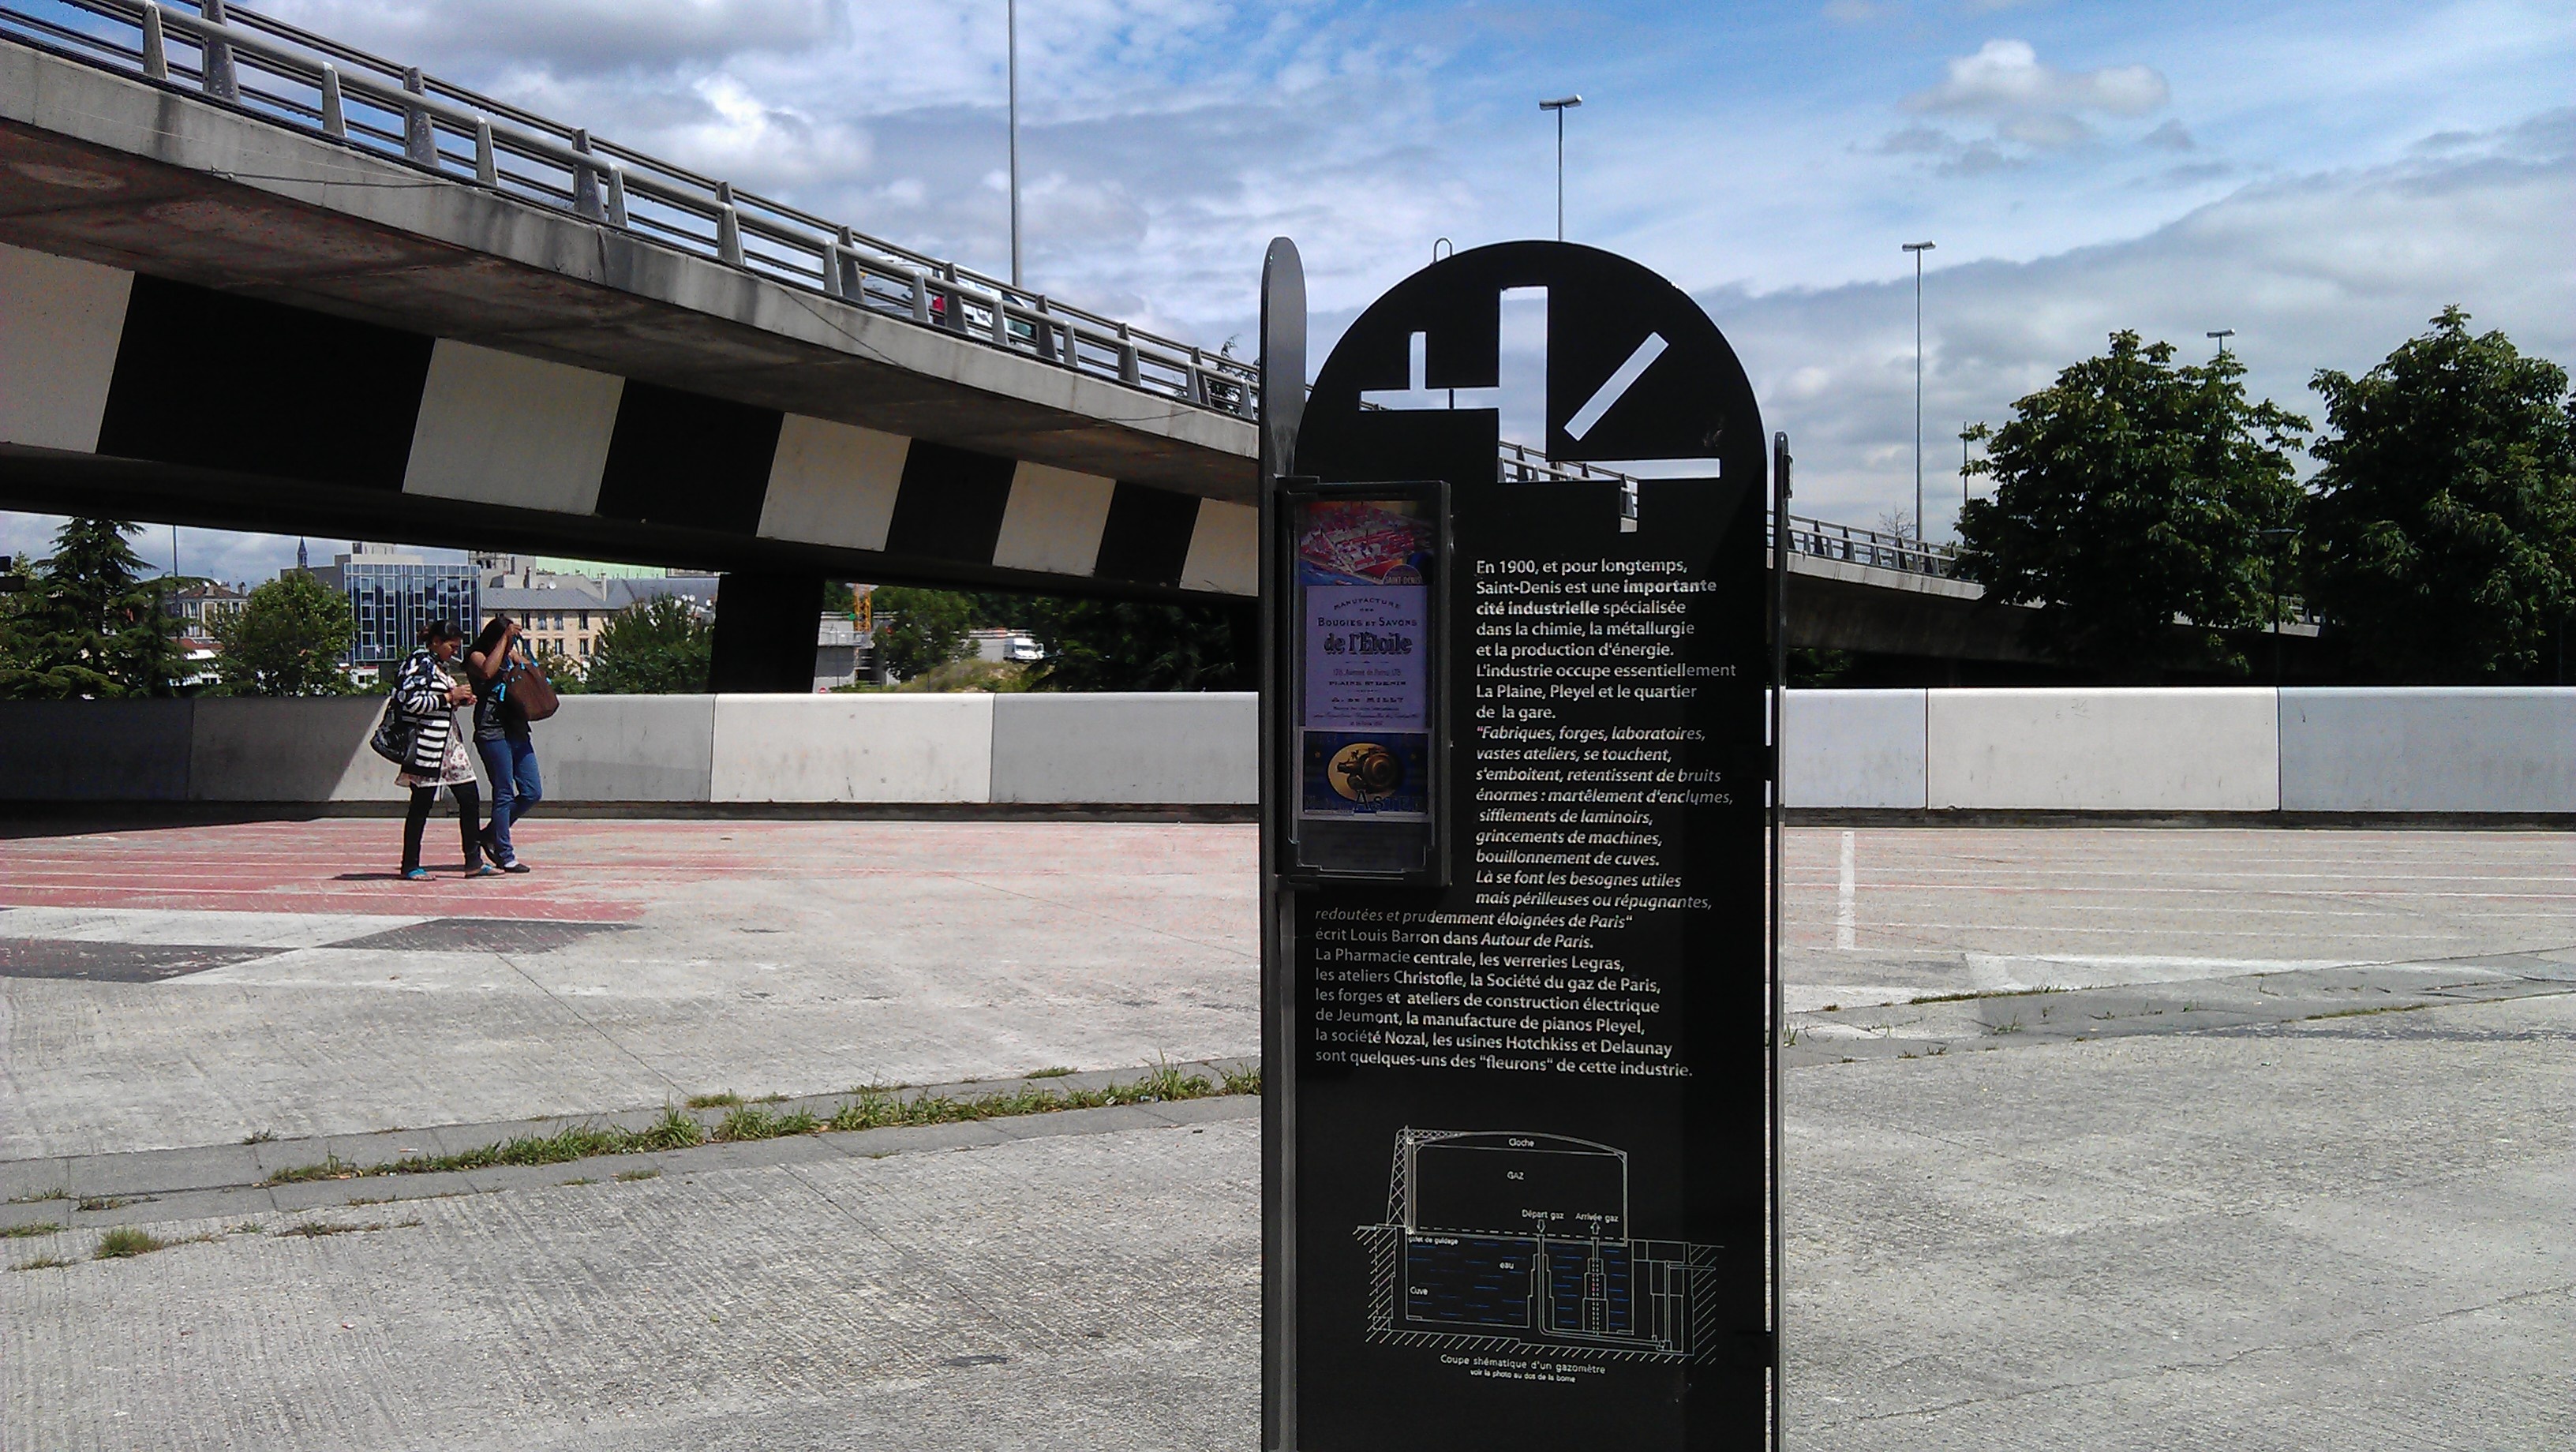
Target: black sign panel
{"points": [[1517, 1167]]}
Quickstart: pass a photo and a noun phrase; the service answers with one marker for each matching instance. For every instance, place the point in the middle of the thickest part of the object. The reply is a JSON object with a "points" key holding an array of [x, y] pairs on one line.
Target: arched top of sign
{"points": [[1634, 371]]}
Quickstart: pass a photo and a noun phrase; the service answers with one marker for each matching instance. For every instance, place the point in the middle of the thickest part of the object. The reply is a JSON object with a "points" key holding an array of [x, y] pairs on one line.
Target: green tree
{"points": [[287, 640], [2443, 528], [659, 648], [2129, 493], [1128, 645], [921, 630], [92, 625]]}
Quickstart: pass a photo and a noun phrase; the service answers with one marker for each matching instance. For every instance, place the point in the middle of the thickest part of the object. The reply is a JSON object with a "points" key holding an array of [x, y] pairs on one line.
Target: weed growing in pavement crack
{"points": [[42, 1262], [631, 1176], [22, 1232], [110, 1202], [125, 1242], [869, 1108], [259, 1136], [316, 1229], [59, 1192], [1058, 1072], [725, 1100]]}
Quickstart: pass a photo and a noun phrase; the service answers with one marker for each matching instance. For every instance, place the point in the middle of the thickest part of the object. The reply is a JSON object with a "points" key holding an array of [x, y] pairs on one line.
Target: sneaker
{"points": [[415, 874], [514, 865]]}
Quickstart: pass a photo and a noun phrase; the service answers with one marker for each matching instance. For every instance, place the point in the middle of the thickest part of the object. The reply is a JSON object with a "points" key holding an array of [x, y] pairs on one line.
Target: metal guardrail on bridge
{"points": [[1819, 538], [292, 77]]}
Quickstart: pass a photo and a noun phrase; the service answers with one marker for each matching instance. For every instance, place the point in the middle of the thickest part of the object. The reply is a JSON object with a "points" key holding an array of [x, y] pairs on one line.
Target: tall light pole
{"points": [[2222, 335], [1560, 106], [1918, 249], [1011, 29]]}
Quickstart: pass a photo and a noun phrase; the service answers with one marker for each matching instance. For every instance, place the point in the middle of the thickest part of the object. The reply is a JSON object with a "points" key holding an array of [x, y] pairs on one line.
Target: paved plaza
{"points": [[2105, 1138]]}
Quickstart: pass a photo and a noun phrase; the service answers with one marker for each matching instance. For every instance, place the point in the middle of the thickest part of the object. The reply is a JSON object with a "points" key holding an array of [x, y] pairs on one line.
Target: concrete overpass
{"points": [[253, 278]]}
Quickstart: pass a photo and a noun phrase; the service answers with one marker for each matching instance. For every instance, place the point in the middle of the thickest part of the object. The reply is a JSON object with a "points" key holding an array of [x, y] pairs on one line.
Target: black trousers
{"points": [[469, 811]]}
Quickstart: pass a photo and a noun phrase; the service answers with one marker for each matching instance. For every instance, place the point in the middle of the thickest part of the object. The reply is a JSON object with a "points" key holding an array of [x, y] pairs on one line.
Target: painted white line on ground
{"points": [[2003, 972], [1846, 899]]}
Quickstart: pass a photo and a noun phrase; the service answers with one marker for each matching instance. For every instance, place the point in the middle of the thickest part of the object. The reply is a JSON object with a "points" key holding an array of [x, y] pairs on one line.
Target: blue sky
{"points": [[2321, 178]]}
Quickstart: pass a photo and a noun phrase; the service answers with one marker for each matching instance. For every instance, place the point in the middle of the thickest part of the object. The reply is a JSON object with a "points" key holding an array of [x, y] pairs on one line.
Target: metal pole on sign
{"points": [[1778, 1006], [1560, 106], [1283, 407]]}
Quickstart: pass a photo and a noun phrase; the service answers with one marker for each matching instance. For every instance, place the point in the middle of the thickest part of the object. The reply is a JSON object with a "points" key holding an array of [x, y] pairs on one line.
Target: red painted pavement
{"points": [[596, 870]]}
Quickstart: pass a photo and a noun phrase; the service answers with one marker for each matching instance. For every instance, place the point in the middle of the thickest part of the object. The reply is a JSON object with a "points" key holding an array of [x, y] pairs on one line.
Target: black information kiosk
{"points": [[1515, 1144]]}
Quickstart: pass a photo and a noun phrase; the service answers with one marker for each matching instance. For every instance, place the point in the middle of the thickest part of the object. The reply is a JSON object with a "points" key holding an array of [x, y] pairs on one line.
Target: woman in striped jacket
{"points": [[427, 694]]}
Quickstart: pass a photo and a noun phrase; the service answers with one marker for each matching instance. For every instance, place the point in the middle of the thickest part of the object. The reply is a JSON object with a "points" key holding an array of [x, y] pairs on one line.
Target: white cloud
{"points": [[2006, 78], [2326, 270]]}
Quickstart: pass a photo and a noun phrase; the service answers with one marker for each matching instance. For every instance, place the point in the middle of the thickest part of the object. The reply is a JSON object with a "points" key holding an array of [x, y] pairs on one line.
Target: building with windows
{"points": [[562, 616], [394, 595], [201, 605]]}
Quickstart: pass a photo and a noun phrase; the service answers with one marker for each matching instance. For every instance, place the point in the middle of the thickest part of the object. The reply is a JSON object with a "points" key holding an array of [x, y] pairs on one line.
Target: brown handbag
{"points": [[534, 693]]}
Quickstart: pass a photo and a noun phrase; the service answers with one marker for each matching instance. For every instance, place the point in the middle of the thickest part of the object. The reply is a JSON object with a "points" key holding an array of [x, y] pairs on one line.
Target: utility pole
{"points": [[1560, 106], [1011, 30], [1918, 249]]}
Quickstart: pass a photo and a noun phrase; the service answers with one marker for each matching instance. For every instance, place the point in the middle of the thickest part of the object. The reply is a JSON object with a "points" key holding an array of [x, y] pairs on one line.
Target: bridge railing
{"points": [[294, 77], [1820, 538]]}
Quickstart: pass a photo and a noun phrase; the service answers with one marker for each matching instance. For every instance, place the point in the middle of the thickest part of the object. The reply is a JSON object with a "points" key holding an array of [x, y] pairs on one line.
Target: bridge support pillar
{"points": [[765, 626]]}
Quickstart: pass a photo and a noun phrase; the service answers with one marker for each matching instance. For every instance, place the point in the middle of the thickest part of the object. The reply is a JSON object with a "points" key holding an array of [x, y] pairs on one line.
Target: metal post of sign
{"points": [[1779, 837], [1283, 404]]}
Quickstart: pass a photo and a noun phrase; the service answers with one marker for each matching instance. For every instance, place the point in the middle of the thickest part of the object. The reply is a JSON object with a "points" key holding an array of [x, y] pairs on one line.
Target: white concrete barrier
{"points": [[629, 749], [2148, 750], [266, 749], [2467, 749], [2247, 750], [857, 748], [1179, 748], [1854, 749]]}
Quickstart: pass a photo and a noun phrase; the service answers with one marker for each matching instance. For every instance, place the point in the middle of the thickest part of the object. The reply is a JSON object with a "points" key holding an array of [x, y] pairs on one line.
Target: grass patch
{"points": [[575, 1180], [110, 1202], [42, 1262], [316, 1229], [2009, 1026], [125, 1242], [725, 1100], [1987, 993], [2367, 1012], [259, 1136], [36, 1197], [1058, 1072], [23, 1232], [674, 1130], [867, 1108], [629, 1177]]}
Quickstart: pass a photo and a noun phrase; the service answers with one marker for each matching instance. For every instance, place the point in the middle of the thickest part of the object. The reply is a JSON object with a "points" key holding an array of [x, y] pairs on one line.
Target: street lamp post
{"points": [[1560, 106], [1011, 28], [2222, 335], [1918, 249]]}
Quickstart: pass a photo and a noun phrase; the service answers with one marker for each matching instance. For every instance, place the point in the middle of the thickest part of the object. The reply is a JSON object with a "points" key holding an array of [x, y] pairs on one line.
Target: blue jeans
{"points": [[511, 763]]}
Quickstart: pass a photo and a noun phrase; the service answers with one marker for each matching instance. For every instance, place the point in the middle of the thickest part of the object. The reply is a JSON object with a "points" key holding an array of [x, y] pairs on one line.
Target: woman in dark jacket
{"points": [[429, 696], [501, 738]]}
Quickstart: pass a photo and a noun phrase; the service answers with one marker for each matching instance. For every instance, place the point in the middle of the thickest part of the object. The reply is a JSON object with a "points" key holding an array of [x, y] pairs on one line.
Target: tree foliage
{"points": [[287, 640], [1128, 645], [659, 648], [87, 623], [2443, 529], [2133, 491], [921, 630]]}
